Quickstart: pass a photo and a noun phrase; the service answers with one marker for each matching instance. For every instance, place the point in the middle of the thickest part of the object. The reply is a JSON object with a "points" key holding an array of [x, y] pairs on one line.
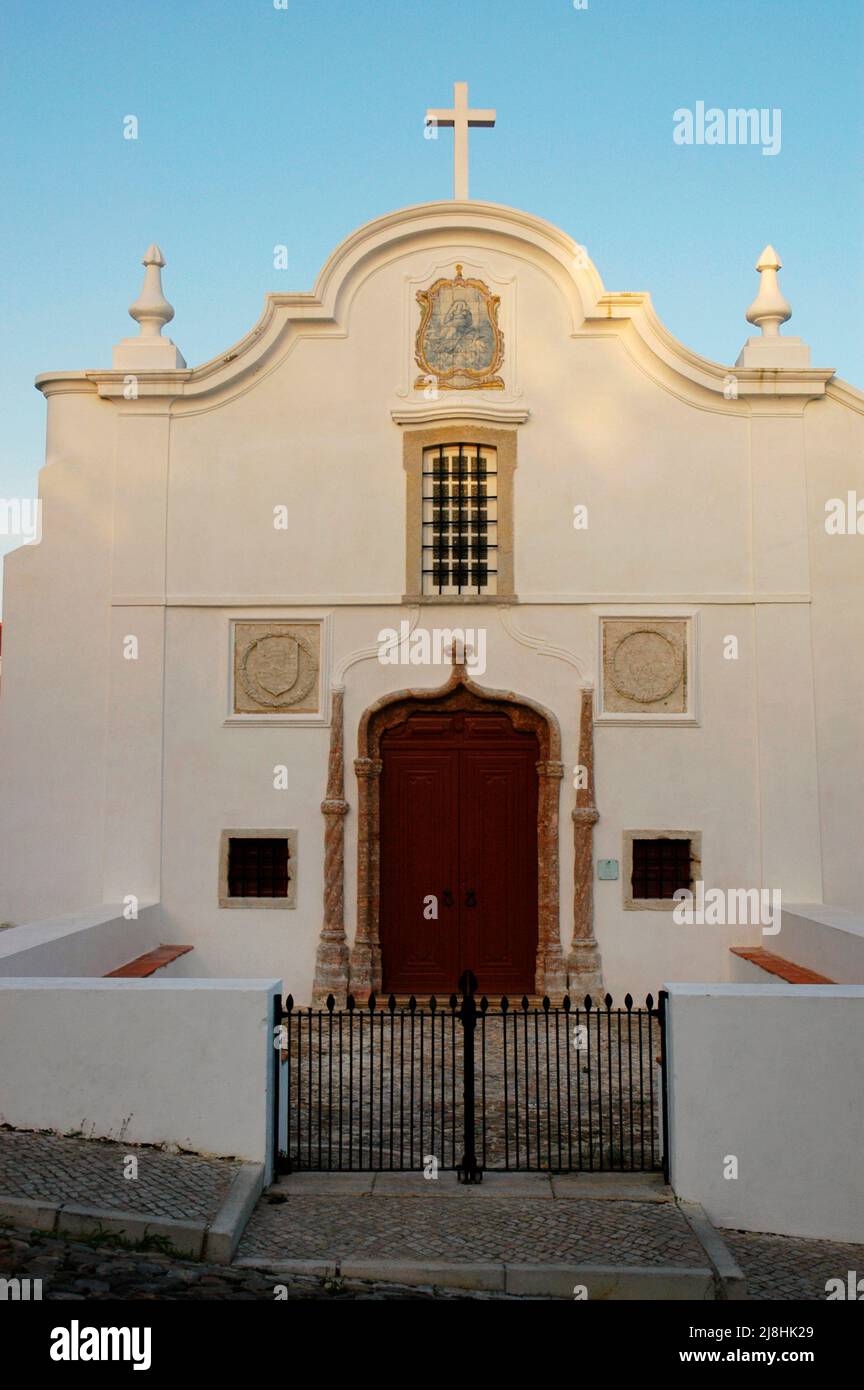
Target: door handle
{"points": [[470, 898], [447, 898]]}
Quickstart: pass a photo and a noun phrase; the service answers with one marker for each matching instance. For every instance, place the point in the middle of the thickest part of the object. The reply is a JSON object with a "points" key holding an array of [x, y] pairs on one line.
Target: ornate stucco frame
{"points": [[483, 379], [459, 693], [503, 441]]}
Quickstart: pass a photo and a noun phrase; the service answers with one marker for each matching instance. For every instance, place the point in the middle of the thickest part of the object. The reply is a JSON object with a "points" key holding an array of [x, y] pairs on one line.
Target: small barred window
{"points": [[258, 868], [660, 868], [460, 519]]}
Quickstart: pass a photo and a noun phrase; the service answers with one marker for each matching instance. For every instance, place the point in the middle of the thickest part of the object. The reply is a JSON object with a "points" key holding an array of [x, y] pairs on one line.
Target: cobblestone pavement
{"points": [[784, 1267], [77, 1270], [384, 1089], [90, 1173], [777, 1267], [524, 1230]]}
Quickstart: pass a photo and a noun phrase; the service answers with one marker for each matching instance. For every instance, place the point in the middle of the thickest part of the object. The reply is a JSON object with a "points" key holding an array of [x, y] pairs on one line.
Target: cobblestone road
{"points": [[516, 1227], [90, 1172], [73, 1270], [777, 1267], [783, 1267]]}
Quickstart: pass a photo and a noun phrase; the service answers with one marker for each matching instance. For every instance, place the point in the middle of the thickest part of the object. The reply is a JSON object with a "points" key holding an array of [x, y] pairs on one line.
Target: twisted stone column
{"points": [[583, 962], [550, 975], [365, 973], [331, 960]]}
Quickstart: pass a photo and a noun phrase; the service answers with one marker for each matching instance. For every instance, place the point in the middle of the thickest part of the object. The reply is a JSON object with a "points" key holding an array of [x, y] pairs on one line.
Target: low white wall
{"points": [[744, 972], [90, 942], [188, 1062], [770, 1075], [829, 940]]}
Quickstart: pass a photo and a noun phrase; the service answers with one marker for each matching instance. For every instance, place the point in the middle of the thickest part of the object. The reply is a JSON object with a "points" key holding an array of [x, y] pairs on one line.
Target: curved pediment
{"points": [[489, 227]]}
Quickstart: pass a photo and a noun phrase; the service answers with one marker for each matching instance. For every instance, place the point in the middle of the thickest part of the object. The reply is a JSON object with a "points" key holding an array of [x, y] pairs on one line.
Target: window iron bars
{"points": [[459, 508]]}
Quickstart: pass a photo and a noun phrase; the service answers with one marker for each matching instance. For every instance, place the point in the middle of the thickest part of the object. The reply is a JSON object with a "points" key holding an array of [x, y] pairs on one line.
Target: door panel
{"points": [[459, 814], [499, 866], [419, 846]]}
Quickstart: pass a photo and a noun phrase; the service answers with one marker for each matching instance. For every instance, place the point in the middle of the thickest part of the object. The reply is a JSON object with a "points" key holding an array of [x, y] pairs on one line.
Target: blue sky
{"points": [[261, 126]]}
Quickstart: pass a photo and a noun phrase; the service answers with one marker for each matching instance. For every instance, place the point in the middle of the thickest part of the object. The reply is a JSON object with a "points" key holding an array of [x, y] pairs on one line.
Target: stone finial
{"points": [[768, 310], [151, 310]]}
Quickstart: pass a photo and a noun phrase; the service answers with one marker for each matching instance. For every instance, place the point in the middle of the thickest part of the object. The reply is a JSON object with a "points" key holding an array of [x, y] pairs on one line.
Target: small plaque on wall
{"points": [[607, 868]]}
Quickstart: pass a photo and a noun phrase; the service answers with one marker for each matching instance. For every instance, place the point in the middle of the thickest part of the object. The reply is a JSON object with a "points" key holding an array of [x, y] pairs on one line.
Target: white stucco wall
{"points": [[835, 467], [158, 524], [147, 1061], [53, 695], [770, 1075]]}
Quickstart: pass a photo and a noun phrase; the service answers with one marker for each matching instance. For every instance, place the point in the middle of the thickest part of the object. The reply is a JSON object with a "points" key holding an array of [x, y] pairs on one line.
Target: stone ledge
{"points": [[143, 966], [28, 1213], [609, 1282], [776, 965], [443, 1274], [215, 1241], [731, 1281], [602, 1282], [224, 1232], [186, 1237]]}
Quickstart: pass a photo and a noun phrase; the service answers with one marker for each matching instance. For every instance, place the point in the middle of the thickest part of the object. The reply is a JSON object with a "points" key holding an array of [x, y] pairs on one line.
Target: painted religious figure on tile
{"points": [[459, 343]]}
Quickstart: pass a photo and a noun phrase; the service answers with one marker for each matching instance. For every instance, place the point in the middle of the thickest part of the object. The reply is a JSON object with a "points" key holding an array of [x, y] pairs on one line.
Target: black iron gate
{"points": [[472, 1087]]}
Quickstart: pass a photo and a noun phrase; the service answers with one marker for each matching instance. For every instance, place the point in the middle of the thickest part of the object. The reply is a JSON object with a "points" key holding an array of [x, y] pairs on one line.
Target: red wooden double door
{"points": [[458, 838]]}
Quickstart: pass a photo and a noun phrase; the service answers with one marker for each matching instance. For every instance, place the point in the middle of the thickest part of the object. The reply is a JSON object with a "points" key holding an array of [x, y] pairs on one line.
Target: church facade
{"points": [[457, 617]]}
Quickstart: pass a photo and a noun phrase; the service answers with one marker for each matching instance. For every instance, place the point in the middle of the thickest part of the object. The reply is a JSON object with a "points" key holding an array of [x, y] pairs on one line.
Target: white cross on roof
{"points": [[461, 119]]}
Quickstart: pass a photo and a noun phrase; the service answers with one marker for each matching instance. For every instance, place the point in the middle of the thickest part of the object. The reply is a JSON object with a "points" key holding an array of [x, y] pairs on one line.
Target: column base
{"points": [[585, 970], [365, 971], [331, 970], [550, 977]]}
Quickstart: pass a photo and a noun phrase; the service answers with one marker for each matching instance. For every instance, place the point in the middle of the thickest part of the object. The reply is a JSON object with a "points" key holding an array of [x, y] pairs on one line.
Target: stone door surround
{"points": [[459, 693]]}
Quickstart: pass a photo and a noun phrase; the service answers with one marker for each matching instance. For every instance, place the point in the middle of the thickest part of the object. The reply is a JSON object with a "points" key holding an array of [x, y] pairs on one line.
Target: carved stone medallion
{"points": [[644, 665], [276, 668], [459, 344]]}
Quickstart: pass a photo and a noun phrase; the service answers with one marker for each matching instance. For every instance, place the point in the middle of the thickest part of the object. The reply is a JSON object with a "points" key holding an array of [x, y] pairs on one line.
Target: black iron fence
{"points": [[469, 1086]]}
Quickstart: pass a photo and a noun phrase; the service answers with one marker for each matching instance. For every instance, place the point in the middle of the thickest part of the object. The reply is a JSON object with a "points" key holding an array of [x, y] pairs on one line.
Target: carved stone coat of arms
{"points": [[459, 344], [276, 666]]}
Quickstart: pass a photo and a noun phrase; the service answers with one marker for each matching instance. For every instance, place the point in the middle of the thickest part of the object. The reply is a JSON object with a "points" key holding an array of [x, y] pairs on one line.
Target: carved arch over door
{"points": [[459, 693]]}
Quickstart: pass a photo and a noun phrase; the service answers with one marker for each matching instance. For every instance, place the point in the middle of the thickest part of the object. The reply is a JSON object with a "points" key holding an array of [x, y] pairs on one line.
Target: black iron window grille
{"points": [[660, 868], [258, 868], [460, 519]]}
